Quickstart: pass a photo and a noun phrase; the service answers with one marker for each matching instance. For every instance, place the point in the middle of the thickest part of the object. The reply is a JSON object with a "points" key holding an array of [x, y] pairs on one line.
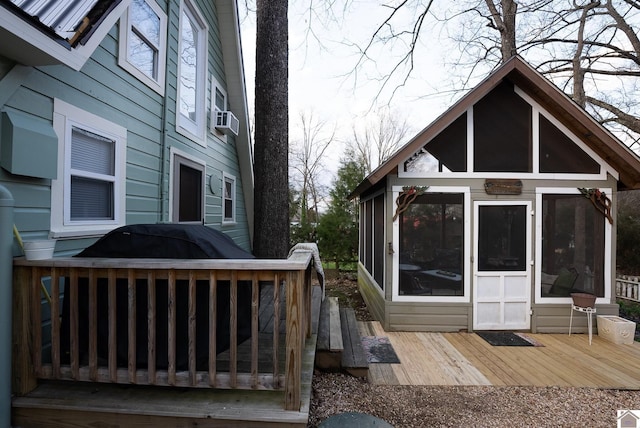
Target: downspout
{"points": [[164, 203], [6, 288]]}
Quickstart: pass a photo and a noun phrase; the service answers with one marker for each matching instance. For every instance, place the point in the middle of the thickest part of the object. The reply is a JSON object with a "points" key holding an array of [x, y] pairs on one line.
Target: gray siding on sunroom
{"points": [[412, 316]]}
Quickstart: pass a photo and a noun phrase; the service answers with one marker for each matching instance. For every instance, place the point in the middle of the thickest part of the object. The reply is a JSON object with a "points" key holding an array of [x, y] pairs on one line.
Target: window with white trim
{"points": [[188, 189], [88, 197], [192, 67], [143, 43], [229, 198], [574, 245], [430, 245], [218, 104], [218, 97]]}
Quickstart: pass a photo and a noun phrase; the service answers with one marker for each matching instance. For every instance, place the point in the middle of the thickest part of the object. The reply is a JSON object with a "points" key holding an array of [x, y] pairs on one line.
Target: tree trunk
{"points": [[508, 34], [505, 23], [271, 230]]}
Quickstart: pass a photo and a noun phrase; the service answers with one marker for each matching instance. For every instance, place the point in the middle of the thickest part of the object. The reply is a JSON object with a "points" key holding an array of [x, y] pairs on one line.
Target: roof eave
{"points": [[237, 96]]}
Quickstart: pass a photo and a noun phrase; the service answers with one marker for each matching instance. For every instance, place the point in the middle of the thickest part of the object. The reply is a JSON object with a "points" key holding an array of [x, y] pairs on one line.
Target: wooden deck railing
{"points": [[101, 334], [627, 287]]}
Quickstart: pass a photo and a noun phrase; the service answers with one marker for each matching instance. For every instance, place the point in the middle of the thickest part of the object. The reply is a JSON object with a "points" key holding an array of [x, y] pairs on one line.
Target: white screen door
{"points": [[502, 268]]}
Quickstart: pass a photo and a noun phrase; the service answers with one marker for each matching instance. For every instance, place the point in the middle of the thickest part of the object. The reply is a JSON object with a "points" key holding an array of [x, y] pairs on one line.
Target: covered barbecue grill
{"points": [[170, 241]]}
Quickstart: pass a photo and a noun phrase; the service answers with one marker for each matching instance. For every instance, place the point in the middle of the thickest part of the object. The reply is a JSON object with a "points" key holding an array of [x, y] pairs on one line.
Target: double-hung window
{"points": [[218, 104], [91, 176], [192, 67], [229, 198], [143, 43], [88, 197]]}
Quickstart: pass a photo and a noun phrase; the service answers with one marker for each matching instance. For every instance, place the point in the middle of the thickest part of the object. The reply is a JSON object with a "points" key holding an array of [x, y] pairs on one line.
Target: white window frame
{"points": [[466, 298], [174, 155], [126, 27], [194, 129], [228, 177], [215, 85], [65, 117], [540, 191]]}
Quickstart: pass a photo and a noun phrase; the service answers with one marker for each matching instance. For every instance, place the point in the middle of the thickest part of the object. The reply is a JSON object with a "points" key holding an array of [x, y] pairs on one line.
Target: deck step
{"points": [[354, 359], [329, 346], [339, 346]]}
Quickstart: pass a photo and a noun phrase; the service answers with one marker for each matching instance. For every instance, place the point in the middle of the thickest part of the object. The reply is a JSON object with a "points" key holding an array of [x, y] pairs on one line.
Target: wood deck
{"points": [[466, 359]]}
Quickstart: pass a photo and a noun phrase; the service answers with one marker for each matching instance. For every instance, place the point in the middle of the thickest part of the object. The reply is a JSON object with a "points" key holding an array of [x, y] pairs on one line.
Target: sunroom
{"points": [[495, 213]]}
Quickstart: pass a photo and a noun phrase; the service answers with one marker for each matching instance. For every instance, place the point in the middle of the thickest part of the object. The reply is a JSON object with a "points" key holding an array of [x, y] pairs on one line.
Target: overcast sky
{"points": [[321, 66]]}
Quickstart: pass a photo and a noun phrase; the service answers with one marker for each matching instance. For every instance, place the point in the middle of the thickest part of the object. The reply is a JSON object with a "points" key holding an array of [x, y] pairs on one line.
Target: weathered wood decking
{"points": [[466, 359]]}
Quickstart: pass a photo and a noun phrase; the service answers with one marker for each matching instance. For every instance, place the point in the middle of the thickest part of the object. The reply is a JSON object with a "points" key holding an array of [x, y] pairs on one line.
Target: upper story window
{"points": [[218, 97], [218, 104], [89, 195], [229, 198], [192, 67], [143, 43]]}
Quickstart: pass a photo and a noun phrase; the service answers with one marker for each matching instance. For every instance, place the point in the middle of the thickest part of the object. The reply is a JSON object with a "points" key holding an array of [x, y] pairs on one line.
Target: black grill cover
{"points": [[166, 241], [175, 241]]}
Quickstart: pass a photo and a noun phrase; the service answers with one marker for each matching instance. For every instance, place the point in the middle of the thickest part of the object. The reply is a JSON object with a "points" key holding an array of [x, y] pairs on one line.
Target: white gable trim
{"points": [[537, 109]]}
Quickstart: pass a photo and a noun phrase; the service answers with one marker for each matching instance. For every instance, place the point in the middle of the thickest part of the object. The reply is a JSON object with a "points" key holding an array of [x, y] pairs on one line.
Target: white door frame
{"points": [[502, 299]]}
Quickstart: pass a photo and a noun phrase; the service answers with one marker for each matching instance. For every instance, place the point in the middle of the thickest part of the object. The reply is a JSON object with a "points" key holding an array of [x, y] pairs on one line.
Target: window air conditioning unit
{"points": [[227, 122]]}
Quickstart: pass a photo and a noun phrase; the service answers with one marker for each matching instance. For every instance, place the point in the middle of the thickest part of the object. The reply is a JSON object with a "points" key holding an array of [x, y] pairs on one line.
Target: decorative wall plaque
{"points": [[503, 186]]}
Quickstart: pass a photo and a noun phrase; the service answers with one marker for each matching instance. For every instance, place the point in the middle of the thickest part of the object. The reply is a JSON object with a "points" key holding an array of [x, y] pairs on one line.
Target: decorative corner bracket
{"points": [[408, 195], [599, 200]]}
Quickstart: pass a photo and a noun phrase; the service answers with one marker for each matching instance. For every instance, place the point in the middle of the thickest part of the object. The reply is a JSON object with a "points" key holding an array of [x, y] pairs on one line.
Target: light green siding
{"points": [[104, 89]]}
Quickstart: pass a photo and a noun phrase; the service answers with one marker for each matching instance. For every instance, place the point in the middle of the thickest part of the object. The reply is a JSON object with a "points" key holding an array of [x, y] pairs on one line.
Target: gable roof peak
{"points": [[522, 74]]}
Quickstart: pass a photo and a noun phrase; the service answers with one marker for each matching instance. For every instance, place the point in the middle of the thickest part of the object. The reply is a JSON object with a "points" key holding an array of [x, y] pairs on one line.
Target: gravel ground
{"points": [[468, 406], [454, 406]]}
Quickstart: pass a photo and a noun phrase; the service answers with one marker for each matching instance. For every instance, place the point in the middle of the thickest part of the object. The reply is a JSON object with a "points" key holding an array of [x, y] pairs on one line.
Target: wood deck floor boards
{"points": [[614, 368], [434, 373], [466, 359], [476, 359], [459, 368], [568, 364], [475, 349]]}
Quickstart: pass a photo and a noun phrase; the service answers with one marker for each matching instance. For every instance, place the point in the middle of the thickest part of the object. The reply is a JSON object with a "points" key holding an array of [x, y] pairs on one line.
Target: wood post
{"points": [[294, 340], [24, 375]]}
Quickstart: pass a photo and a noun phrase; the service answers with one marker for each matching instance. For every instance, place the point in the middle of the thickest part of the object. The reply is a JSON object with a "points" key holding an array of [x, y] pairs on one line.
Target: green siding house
{"points": [[490, 217], [123, 112]]}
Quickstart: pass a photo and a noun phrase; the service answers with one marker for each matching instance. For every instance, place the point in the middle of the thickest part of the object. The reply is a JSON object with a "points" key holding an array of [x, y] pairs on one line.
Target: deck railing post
{"points": [[24, 375], [294, 340]]}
